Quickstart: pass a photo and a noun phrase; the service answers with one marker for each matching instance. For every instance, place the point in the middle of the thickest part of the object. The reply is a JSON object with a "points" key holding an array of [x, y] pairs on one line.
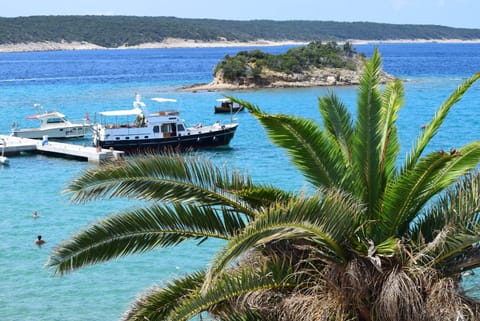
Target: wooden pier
{"points": [[12, 145]]}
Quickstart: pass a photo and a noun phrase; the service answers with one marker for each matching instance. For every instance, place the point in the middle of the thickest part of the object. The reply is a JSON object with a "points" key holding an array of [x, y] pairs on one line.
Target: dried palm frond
{"points": [[400, 298], [445, 303]]}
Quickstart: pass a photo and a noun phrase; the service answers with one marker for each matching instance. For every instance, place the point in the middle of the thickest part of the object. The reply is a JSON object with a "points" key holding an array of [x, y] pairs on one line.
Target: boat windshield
{"points": [[54, 120]]}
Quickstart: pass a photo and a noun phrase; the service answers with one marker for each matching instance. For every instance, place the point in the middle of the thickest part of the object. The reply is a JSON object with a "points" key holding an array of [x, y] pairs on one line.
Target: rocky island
{"points": [[316, 64]]}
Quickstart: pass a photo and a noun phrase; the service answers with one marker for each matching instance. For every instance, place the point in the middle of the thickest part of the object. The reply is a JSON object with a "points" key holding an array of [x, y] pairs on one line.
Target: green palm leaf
{"points": [[275, 274], [141, 230], [309, 149], [158, 303], [459, 206], [263, 196], [456, 216], [166, 177], [329, 221], [367, 138], [338, 124], [432, 128], [408, 195], [392, 102]]}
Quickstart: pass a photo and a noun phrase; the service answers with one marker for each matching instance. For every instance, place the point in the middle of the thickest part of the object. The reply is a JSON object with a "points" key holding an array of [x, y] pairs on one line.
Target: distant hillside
{"points": [[115, 31]]}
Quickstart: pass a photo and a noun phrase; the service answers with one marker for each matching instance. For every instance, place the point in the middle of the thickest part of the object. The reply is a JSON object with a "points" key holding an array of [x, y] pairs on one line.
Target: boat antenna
{"points": [[233, 114], [38, 107], [139, 104]]}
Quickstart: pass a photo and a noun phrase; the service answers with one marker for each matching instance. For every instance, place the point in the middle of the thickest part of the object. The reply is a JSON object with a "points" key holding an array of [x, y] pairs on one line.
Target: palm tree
{"points": [[379, 239]]}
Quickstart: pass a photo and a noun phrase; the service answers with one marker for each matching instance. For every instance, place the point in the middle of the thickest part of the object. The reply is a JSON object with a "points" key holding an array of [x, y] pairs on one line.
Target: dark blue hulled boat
{"points": [[137, 130]]}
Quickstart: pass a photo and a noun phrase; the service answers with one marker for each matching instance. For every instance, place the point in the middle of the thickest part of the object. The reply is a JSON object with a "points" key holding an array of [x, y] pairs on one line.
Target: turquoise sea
{"points": [[77, 82]]}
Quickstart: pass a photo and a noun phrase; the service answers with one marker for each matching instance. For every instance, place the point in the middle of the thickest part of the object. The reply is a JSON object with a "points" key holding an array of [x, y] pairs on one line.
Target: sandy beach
{"points": [[167, 43], [187, 43]]}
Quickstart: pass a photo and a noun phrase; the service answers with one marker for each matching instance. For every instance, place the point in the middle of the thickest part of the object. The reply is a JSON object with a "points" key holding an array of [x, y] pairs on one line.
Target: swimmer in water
{"points": [[39, 240]]}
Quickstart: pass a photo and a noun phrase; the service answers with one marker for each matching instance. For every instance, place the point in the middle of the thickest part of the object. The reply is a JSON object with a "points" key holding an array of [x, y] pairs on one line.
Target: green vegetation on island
{"points": [[296, 60], [376, 236], [116, 31], [313, 65]]}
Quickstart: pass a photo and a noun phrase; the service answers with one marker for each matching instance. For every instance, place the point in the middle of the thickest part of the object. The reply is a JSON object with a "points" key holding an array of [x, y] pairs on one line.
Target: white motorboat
{"points": [[136, 130], [53, 124]]}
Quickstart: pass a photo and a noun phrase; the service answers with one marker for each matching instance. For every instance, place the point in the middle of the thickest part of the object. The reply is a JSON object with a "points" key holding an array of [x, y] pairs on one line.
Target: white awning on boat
{"points": [[164, 100], [223, 100], [135, 111]]}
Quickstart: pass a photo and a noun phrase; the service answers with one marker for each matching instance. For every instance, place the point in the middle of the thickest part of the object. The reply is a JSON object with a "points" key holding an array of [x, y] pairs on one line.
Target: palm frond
{"points": [[338, 123], [407, 195], [159, 302], [250, 315], [320, 162], [432, 128], [459, 206], [329, 221], [405, 198], [393, 98], [367, 143], [262, 196], [274, 274], [456, 214], [143, 229], [451, 252], [166, 177]]}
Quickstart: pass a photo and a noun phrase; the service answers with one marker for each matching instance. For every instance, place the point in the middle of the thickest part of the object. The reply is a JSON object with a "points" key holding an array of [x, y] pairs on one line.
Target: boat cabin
{"points": [[138, 123]]}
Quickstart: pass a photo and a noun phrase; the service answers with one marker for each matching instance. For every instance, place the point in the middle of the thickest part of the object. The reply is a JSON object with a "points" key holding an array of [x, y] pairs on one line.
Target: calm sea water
{"points": [[77, 82]]}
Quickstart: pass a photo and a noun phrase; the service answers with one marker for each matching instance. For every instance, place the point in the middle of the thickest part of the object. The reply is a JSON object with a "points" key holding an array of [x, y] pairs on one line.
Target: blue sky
{"points": [[453, 13]]}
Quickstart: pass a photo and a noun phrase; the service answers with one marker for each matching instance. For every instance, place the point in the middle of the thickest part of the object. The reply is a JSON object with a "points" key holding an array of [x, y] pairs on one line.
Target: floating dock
{"points": [[12, 145]]}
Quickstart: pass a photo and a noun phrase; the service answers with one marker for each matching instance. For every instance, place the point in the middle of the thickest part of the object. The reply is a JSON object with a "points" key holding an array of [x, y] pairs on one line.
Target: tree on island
{"points": [[374, 242]]}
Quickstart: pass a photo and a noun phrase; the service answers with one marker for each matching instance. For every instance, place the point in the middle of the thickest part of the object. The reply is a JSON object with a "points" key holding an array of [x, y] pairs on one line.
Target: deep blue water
{"points": [[77, 82]]}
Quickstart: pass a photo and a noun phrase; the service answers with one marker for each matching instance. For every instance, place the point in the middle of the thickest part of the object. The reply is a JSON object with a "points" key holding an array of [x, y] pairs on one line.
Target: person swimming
{"points": [[39, 240], [35, 214]]}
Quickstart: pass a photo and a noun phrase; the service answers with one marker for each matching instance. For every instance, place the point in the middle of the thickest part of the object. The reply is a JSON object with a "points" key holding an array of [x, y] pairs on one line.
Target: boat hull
{"points": [[63, 132], [217, 138], [225, 110]]}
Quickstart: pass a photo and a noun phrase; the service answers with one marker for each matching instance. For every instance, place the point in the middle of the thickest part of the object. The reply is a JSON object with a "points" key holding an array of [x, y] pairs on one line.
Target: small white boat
{"points": [[227, 106], [53, 124], [138, 130], [4, 159]]}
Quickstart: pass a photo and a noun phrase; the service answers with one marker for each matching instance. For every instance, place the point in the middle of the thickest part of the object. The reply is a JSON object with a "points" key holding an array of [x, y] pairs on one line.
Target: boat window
{"points": [[181, 128], [166, 128], [156, 129], [54, 120]]}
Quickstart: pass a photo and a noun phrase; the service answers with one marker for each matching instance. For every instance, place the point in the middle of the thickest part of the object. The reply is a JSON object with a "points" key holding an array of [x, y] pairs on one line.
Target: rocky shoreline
{"points": [[312, 78], [309, 77]]}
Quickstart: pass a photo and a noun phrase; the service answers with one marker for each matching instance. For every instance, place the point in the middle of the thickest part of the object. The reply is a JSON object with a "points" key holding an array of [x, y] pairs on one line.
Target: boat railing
{"points": [[170, 112]]}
